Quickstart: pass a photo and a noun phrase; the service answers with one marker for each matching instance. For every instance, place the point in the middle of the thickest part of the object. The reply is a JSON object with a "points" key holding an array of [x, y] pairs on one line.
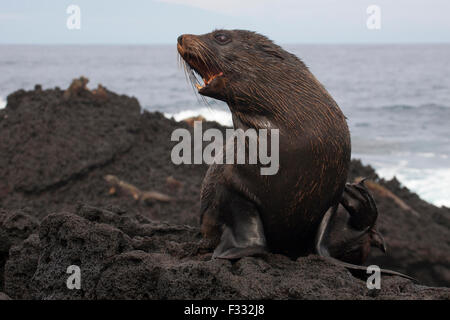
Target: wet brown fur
{"points": [[268, 87]]}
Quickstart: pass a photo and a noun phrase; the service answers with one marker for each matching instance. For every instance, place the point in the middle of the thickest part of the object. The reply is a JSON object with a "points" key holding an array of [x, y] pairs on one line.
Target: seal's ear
{"points": [[269, 50]]}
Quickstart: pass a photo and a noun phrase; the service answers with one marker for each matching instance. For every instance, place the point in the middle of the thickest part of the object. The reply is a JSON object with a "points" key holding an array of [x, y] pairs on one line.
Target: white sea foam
{"points": [[426, 154], [2, 103], [221, 116], [432, 185]]}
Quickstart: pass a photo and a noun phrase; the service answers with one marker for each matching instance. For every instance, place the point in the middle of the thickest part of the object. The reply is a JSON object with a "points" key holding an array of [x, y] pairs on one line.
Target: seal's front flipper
{"points": [[243, 233], [233, 246]]}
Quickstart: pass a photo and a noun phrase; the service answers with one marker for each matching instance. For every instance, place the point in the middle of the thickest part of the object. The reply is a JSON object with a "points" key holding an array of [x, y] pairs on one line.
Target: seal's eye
{"points": [[222, 38]]}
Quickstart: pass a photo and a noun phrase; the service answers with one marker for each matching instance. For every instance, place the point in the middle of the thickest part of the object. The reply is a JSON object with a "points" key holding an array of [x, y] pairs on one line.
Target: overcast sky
{"points": [[285, 21]]}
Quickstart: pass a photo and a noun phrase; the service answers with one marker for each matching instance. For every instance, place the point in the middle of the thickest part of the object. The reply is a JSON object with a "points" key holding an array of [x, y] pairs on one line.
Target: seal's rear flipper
{"points": [[347, 230], [377, 240], [356, 270], [360, 205], [243, 233], [320, 242], [361, 271]]}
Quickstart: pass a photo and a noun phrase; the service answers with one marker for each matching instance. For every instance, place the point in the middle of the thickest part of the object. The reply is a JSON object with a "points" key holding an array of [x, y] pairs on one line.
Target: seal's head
{"points": [[234, 64]]}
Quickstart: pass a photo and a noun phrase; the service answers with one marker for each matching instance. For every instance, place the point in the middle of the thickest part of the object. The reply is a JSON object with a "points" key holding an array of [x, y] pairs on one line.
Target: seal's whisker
{"points": [[206, 58], [192, 78], [200, 68], [188, 72], [178, 60]]}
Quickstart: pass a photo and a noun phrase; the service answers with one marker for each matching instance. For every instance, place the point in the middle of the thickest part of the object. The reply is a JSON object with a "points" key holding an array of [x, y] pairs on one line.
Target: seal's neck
{"points": [[246, 121]]}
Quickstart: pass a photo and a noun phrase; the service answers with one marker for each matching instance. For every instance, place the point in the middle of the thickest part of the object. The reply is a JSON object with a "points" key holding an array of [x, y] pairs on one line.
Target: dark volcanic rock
{"points": [[21, 266], [66, 240], [15, 227], [58, 152], [51, 149], [270, 277], [132, 275], [58, 148], [4, 296], [113, 268]]}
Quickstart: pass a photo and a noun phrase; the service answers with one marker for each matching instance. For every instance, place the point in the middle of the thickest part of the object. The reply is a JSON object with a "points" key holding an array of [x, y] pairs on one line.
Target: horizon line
{"points": [[174, 43]]}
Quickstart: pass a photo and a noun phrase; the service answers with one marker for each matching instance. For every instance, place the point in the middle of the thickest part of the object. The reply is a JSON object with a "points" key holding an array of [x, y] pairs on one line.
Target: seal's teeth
{"points": [[214, 76]]}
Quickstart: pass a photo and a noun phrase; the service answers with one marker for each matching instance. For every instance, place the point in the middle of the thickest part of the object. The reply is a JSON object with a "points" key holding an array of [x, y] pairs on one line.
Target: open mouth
{"points": [[198, 70], [208, 80]]}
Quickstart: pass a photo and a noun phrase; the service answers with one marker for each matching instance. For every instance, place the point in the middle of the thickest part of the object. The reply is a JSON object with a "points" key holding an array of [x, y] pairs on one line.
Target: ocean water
{"points": [[396, 97]]}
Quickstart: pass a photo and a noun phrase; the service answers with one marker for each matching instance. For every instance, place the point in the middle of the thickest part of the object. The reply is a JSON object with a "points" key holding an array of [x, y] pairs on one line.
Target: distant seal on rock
{"points": [[243, 212]]}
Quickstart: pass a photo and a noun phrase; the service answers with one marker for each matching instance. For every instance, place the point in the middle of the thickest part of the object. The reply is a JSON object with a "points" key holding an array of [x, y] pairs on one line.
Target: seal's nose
{"points": [[180, 40]]}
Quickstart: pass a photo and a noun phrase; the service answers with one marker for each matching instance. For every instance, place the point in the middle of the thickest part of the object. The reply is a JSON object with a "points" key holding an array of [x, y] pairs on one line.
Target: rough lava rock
{"points": [[56, 210], [15, 227], [4, 296], [61, 149], [66, 240], [163, 261]]}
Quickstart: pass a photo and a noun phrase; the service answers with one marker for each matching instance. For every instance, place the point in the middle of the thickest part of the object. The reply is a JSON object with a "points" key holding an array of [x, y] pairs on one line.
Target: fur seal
{"points": [[245, 213]]}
